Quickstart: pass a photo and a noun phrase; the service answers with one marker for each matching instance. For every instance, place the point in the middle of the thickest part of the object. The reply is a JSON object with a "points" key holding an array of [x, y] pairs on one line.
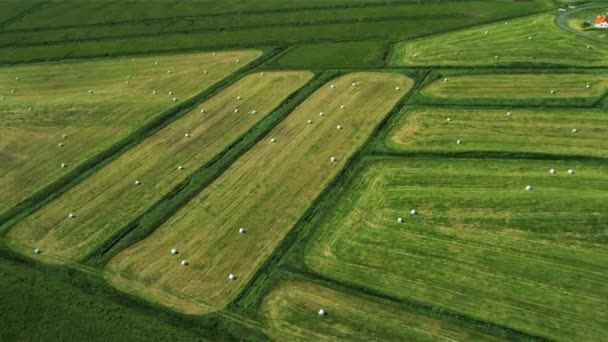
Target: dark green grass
{"points": [[44, 303], [383, 23], [357, 54]]}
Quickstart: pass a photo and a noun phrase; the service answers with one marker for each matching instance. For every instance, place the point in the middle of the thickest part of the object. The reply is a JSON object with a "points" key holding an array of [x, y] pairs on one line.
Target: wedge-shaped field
{"points": [[427, 129], [479, 244], [291, 311], [518, 86], [94, 104], [265, 193], [532, 40], [109, 199]]}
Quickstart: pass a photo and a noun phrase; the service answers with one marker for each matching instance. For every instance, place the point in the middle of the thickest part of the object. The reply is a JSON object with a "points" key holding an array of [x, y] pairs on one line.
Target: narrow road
{"points": [[562, 20]]}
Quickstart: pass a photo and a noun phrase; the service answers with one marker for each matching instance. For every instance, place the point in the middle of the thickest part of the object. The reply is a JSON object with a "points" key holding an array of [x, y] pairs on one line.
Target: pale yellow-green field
{"points": [[531, 40], [291, 312], [109, 199], [518, 86], [122, 100], [265, 192], [426, 129]]}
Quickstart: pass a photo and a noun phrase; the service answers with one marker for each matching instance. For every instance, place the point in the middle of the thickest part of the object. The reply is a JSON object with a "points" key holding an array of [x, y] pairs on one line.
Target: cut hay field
{"points": [[40, 103], [107, 201], [480, 245], [530, 41], [546, 131], [518, 87], [291, 312], [265, 192]]}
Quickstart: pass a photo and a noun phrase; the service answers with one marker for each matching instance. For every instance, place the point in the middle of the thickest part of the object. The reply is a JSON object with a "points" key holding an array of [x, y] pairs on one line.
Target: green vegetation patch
{"points": [[530, 41], [479, 244], [117, 194], [437, 129], [368, 54], [292, 311], [535, 89], [236, 222], [54, 117]]}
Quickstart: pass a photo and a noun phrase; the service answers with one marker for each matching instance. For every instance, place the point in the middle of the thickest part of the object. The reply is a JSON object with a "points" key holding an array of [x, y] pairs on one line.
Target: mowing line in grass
{"points": [[236, 222], [125, 188], [534, 261], [55, 117]]}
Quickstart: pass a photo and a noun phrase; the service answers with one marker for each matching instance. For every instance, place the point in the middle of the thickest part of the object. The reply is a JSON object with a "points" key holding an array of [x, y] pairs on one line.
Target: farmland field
{"points": [[291, 311], [279, 178], [532, 260], [110, 199], [94, 104], [295, 170], [528, 41], [519, 87], [549, 131]]}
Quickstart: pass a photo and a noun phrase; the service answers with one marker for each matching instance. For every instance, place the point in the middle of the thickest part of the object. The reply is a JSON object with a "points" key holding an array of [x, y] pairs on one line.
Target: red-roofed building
{"points": [[601, 21]]}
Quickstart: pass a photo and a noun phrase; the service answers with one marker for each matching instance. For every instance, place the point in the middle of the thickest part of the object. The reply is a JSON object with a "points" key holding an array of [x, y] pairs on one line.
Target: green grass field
{"points": [[480, 244], [518, 87], [291, 311], [279, 179], [426, 129], [284, 211], [121, 101], [577, 20], [108, 200], [530, 41]]}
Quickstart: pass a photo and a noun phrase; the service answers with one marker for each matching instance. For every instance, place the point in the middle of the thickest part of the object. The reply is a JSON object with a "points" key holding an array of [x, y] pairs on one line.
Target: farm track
{"points": [[561, 21], [86, 168]]}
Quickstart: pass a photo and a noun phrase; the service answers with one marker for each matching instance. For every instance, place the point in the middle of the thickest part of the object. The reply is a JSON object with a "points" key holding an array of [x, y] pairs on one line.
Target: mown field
{"points": [[536, 131], [110, 199], [291, 311], [578, 19], [530, 41], [279, 179], [66, 113], [585, 89], [480, 244], [305, 211]]}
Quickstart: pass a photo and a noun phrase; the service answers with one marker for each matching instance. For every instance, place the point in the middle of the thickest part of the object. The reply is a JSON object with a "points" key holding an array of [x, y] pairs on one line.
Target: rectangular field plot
{"points": [[427, 129], [107, 201], [532, 40], [479, 243], [517, 88], [54, 117], [264, 193], [292, 311]]}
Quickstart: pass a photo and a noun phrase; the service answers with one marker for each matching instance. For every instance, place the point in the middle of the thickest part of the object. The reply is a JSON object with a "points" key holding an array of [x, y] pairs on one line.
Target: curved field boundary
{"points": [[88, 167], [279, 178], [562, 20], [290, 311], [125, 188]]}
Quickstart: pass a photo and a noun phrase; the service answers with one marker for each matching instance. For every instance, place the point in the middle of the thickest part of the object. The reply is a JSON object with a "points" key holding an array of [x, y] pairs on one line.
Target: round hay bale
{"points": [[529, 37], [37, 251], [262, 73], [553, 171], [588, 86], [528, 187], [91, 91], [214, 54], [238, 60], [321, 113], [333, 159], [588, 46], [354, 84], [342, 107], [273, 140], [174, 251], [309, 121], [17, 78], [185, 262], [13, 91], [127, 82], [64, 165], [1, 98], [72, 215], [137, 182], [496, 57], [397, 88], [448, 119], [322, 312], [154, 92], [332, 86], [187, 135], [204, 72], [509, 114], [400, 220], [486, 32], [60, 144], [239, 98], [168, 71], [231, 276], [65, 136], [156, 63], [570, 171], [339, 127], [459, 142], [29, 109], [552, 91], [574, 130], [413, 212], [254, 112], [445, 79], [175, 99], [242, 230], [128, 76], [181, 167], [203, 111], [236, 110]]}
